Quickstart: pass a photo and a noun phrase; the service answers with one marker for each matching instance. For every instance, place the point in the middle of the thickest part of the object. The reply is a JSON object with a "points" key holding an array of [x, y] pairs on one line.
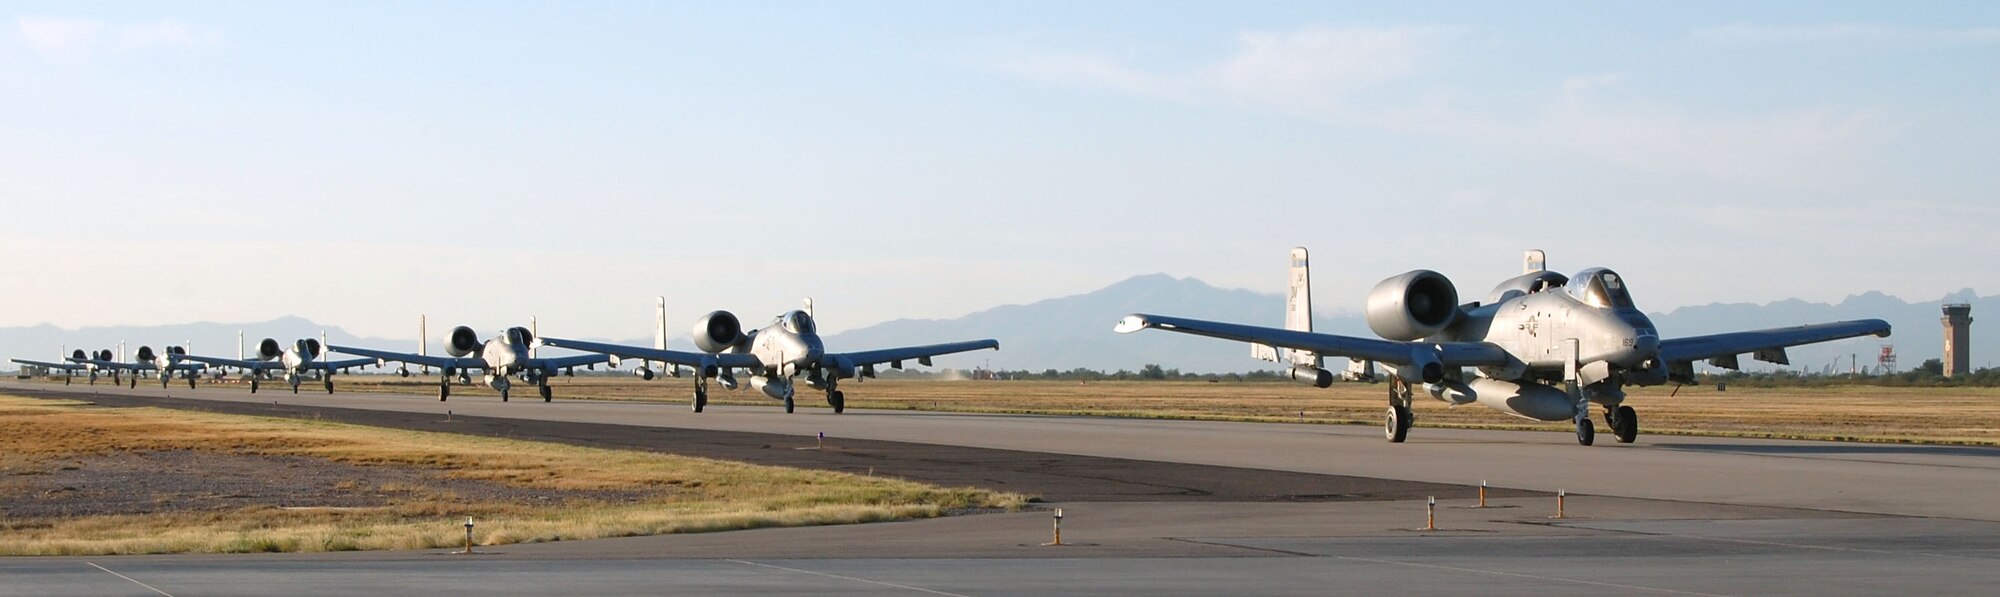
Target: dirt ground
{"points": [[153, 482]]}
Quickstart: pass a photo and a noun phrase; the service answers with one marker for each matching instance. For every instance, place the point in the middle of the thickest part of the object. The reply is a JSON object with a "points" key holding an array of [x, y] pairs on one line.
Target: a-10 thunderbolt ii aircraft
{"points": [[68, 369], [143, 361], [789, 347], [511, 353], [1543, 346], [303, 357]]}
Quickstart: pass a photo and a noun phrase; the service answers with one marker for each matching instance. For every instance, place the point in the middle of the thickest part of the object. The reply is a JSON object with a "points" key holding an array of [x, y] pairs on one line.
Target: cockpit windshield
{"points": [[798, 322], [1599, 287]]}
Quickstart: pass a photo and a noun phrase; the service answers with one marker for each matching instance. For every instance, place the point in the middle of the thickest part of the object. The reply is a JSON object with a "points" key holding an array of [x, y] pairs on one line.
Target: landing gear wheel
{"points": [[135, 381], [838, 400], [1586, 432], [700, 399], [548, 395], [444, 391], [329, 386], [190, 383], [1396, 426], [788, 405], [1626, 426], [503, 395], [253, 385], [295, 388]]}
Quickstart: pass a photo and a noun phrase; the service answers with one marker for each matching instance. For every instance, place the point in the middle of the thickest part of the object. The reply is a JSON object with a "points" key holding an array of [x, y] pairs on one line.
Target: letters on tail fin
{"points": [[1534, 261]]}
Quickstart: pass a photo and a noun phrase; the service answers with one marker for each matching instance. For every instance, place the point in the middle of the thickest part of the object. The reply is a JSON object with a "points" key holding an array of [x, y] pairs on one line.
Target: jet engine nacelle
{"points": [[79, 354], [463, 341], [1412, 306], [313, 348], [1319, 378], [145, 355], [269, 349], [106, 355], [718, 331]]}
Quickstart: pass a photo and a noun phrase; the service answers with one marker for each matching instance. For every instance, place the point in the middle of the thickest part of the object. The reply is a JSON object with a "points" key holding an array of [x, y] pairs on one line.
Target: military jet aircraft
{"points": [[1543, 346], [143, 361], [296, 361], [511, 353], [789, 347], [68, 369]]}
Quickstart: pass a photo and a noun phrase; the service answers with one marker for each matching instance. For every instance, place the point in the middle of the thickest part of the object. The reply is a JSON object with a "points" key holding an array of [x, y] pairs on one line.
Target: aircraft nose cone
{"points": [[1647, 344]]}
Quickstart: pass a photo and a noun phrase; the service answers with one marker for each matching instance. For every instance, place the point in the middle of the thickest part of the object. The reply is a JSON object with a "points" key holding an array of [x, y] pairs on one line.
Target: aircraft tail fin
{"points": [[424, 339], [660, 325], [1534, 261], [1298, 314]]}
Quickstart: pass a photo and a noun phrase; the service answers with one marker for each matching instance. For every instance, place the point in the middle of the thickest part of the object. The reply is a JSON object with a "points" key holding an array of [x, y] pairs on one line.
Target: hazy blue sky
{"points": [[358, 163]]}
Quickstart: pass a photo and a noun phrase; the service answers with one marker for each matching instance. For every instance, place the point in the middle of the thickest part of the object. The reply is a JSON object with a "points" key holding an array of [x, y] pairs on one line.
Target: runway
{"points": [[1669, 514]]}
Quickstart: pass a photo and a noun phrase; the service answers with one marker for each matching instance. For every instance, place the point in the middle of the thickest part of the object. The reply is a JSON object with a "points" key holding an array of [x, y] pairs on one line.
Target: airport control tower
{"points": [[1957, 339]]}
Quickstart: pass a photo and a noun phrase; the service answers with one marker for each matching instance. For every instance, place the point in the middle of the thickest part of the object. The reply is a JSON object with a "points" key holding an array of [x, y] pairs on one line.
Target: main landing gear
{"points": [[547, 394], [329, 385], [788, 404], [1624, 423], [836, 399], [253, 385], [1586, 432], [1396, 426], [700, 391], [444, 387]]}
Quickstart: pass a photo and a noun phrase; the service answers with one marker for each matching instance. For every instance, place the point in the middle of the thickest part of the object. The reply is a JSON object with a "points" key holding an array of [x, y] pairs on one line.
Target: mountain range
{"points": [[1075, 331]]}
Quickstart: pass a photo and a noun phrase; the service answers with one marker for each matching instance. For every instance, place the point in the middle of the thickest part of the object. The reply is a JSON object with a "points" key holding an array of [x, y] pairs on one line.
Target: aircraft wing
{"points": [[1449, 354], [222, 362], [676, 357], [554, 363], [46, 364], [414, 359], [339, 365], [1729, 345], [920, 354]]}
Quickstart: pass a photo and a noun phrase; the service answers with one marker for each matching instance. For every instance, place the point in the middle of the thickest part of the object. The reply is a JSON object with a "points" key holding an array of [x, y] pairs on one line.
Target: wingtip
{"points": [[1132, 323]]}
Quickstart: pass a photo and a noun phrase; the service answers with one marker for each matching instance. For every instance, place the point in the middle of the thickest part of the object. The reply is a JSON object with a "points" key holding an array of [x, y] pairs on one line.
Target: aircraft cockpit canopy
{"points": [[798, 322], [1600, 287]]}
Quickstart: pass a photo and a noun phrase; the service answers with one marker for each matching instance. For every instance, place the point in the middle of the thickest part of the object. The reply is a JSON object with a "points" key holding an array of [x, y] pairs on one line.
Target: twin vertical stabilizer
{"points": [[1298, 315]]}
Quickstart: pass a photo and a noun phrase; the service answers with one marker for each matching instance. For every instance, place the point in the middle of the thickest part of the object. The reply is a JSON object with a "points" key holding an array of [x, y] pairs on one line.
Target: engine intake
{"points": [[1412, 306], [145, 355], [313, 348], [269, 349], [105, 355], [79, 354], [463, 342], [718, 331]]}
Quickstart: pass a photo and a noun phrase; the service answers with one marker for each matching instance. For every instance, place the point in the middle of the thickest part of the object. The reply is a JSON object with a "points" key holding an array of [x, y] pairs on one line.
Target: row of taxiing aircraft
{"points": [[789, 348], [1543, 346]]}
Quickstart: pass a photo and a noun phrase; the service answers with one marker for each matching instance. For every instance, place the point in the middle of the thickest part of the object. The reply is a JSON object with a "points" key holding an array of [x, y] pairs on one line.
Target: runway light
{"points": [[1482, 494], [1431, 514], [1561, 496], [1058, 539], [468, 537]]}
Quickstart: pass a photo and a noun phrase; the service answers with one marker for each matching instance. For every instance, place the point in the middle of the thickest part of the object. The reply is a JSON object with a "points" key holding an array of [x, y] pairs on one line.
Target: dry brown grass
{"points": [[682, 494], [1865, 413]]}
